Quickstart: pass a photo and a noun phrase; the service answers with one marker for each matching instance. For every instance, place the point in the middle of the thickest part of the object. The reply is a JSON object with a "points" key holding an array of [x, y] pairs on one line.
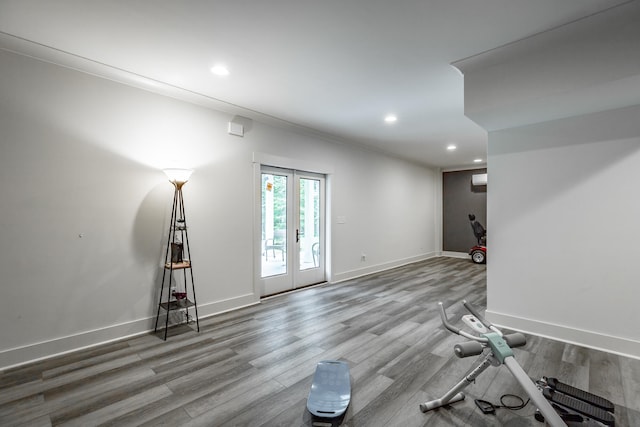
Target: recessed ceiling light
{"points": [[391, 118], [451, 147], [477, 161], [220, 70]]}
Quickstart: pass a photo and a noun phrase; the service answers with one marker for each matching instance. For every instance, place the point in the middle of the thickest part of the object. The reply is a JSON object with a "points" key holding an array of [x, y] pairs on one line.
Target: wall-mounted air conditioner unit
{"points": [[479, 179]]}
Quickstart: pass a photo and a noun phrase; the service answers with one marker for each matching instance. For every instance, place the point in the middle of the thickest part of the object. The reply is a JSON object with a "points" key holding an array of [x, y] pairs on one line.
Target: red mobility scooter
{"points": [[478, 252]]}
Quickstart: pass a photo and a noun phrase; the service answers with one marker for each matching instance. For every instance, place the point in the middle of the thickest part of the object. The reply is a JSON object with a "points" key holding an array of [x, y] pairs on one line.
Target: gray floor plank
{"points": [[210, 412], [254, 366], [106, 413], [630, 376]]}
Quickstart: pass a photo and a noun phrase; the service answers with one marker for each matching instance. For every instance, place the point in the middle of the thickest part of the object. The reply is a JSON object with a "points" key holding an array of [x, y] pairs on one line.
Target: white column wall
{"points": [[561, 108], [564, 227], [85, 206]]}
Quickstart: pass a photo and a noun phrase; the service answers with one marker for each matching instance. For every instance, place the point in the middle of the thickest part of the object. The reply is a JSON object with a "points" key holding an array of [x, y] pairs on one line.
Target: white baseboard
{"points": [[222, 306], [451, 254], [43, 350], [353, 274], [617, 345]]}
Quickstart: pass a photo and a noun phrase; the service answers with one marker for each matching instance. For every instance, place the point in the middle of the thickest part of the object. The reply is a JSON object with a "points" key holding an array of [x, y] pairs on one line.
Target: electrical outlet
{"points": [[363, 257]]}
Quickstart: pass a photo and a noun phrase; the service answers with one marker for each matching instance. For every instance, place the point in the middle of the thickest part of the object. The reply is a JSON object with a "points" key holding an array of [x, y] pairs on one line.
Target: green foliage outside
{"points": [[279, 190]]}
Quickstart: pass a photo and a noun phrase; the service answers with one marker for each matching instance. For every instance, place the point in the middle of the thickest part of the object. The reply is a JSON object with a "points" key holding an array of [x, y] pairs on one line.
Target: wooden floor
{"points": [[254, 366]]}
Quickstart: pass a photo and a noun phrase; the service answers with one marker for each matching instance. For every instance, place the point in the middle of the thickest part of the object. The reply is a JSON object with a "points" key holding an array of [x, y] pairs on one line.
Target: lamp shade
{"points": [[178, 175]]}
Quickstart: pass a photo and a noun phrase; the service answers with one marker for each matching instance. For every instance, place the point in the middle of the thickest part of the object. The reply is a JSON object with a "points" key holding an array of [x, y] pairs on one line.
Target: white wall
{"points": [[85, 206], [585, 66], [561, 108], [564, 226], [377, 197]]}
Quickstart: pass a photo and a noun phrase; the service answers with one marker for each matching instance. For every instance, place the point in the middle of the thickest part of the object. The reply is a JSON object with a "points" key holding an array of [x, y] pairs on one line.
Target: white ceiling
{"points": [[336, 67]]}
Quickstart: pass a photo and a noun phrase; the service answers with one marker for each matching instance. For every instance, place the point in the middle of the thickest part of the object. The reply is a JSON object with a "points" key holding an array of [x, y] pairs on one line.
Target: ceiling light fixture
{"points": [[451, 147], [477, 161], [220, 70], [391, 118]]}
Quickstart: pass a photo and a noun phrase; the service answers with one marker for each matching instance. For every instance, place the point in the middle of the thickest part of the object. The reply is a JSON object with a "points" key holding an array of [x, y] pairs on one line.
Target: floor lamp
{"points": [[177, 255]]}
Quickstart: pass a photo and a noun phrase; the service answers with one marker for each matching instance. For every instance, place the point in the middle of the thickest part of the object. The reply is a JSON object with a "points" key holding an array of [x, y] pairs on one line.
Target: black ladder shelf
{"points": [[177, 259]]}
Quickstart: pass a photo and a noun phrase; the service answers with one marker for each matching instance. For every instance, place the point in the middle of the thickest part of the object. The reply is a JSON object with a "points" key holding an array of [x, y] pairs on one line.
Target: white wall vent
{"points": [[235, 129]]}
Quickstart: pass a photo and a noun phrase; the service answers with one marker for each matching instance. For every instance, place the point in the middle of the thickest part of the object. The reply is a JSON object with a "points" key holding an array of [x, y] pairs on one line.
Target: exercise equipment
{"points": [[500, 353], [478, 252], [331, 389], [575, 404], [557, 403]]}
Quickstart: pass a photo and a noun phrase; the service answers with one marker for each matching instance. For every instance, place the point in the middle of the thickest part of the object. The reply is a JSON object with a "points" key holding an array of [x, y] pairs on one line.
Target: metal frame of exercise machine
{"points": [[500, 345]]}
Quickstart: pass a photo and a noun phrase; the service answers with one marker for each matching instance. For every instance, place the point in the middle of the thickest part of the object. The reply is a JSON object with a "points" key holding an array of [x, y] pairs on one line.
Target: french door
{"points": [[292, 230]]}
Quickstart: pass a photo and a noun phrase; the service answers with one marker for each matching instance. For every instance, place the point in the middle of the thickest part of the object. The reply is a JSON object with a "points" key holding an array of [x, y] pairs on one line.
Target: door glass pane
{"points": [[274, 224], [309, 231]]}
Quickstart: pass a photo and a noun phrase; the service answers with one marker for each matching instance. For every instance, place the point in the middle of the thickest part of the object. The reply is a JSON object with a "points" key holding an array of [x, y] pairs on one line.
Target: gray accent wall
{"points": [[459, 199]]}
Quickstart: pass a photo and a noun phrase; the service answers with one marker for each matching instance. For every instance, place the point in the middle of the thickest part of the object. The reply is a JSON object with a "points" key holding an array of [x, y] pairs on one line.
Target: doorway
{"points": [[292, 237]]}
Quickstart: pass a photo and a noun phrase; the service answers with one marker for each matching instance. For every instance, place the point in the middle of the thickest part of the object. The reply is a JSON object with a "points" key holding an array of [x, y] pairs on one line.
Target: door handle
{"points": [[297, 235]]}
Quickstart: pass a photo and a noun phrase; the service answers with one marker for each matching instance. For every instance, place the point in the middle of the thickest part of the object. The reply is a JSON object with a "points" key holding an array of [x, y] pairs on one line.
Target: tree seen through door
{"points": [[274, 224]]}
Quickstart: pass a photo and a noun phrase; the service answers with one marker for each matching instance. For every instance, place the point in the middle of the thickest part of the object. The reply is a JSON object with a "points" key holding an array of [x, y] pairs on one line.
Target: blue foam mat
{"points": [[331, 389]]}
